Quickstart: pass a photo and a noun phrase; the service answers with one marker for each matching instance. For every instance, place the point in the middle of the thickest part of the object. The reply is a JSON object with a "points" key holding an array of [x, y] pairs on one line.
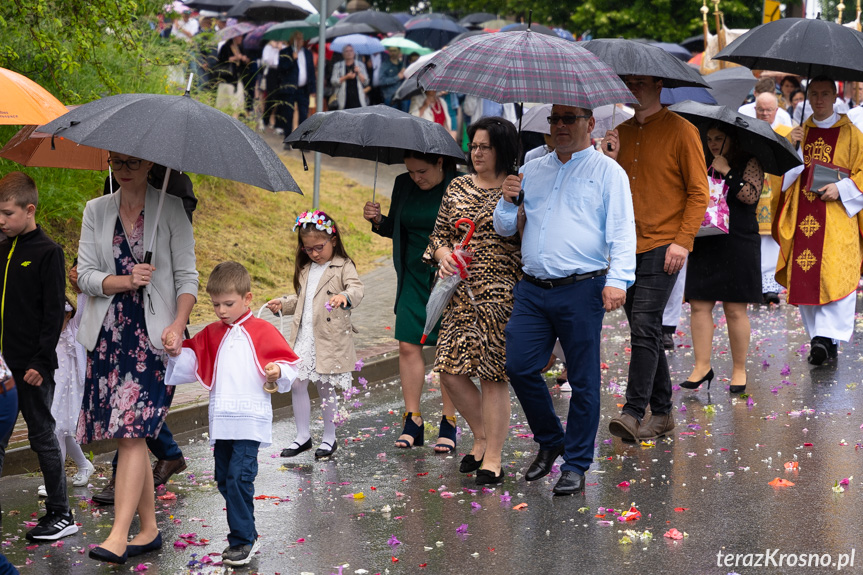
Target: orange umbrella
{"points": [[29, 147], [23, 101]]}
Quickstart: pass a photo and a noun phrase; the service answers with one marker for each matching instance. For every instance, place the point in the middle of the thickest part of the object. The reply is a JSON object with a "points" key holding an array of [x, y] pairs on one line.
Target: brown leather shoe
{"points": [[624, 426], [106, 496], [165, 468], [656, 426]]}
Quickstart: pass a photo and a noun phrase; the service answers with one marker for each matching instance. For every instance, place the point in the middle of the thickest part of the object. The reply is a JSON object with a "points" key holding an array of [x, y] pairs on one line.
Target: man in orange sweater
{"points": [[664, 160]]}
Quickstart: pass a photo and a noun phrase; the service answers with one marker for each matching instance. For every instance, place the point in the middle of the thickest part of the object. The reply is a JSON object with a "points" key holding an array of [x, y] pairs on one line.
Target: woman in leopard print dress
{"points": [[471, 341]]}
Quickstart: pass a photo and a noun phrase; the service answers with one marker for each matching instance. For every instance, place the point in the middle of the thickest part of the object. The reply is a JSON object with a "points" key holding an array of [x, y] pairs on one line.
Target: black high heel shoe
{"points": [[417, 432], [737, 388], [447, 431], [696, 384]]}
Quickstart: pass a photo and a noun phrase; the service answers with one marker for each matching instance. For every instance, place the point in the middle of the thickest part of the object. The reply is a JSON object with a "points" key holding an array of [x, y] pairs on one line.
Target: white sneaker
{"points": [[280, 132], [565, 387], [41, 491], [82, 478]]}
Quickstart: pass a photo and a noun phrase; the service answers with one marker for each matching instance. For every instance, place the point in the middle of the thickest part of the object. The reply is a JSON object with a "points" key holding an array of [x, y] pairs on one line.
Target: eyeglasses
{"points": [[568, 119], [479, 148], [316, 249], [117, 164], [765, 110]]}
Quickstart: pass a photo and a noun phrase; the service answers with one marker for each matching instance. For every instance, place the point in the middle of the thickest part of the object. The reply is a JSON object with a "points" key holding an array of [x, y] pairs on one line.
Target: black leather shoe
{"points": [[542, 463], [294, 451], [819, 350], [569, 483], [106, 556], [106, 496], [486, 477], [321, 452], [469, 464], [135, 550]]}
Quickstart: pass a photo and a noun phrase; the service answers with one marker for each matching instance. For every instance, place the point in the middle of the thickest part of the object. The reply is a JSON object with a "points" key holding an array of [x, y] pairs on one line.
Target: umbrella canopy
{"points": [[524, 67], [468, 34], [608, 117], [32, 148], [340, 30], [377, 133], [670, 96], [675, 50], [23, 101], [429, 16], [405, 45], [694, 43], [380, 21], [215, 5], [433, 33], [756, 136], [407, 89], [411, 70], [538, 28], [628, 57], [731, 85], [255, 39], [445, 287], [565, 34], [315, 20], [800, 46], [476, 18], [265, 10], [240, 29], [286, 30], [536, 119], [365, 45], [179, 133]]}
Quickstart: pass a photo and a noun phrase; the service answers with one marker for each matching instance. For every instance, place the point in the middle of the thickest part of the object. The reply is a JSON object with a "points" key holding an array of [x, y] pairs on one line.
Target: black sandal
{"points": [[417, 432], [447, 431]]}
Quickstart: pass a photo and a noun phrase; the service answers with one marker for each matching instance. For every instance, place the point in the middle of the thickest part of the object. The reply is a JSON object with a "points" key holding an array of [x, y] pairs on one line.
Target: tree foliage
{"points": [[55, 42]]}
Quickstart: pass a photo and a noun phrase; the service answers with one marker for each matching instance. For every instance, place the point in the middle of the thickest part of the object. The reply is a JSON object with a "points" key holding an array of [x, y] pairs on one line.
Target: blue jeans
{"points": [[649, 379], [6, 568], [163, 446], [34, 402], [236, 469], [8, 410], [573, 313]]}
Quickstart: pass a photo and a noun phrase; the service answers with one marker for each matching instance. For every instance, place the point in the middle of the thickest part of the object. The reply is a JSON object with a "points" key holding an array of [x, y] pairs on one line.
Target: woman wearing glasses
{"points": [[415, 204], [471, 342], [135, 306]]}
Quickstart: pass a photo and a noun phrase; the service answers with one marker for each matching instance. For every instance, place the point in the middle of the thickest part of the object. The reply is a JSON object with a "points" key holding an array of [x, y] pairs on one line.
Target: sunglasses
{"points": [[568, 119]]}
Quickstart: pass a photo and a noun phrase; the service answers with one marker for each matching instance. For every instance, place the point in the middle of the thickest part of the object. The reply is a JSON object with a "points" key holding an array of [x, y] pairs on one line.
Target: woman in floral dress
{"points": [[471, 341], [134, 307]]}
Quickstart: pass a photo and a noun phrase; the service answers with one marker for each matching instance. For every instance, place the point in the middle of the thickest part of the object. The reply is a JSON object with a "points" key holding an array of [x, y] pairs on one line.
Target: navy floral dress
{"points": [[124, 393]]}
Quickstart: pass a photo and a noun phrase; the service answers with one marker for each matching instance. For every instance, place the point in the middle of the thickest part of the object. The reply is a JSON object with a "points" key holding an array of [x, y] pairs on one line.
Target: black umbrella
{"points": [[378, 133], [730, 86], [381, 21], [214, 5], [631, 58], [340, 30], [806, 47], [179, 133], [468, 34], [433, 33], [694, 43], [267, 10], [430, 16], [477, 18], [775, 154]]}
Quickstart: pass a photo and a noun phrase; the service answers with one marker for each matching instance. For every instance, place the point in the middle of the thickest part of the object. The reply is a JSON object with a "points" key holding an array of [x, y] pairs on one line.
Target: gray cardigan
{"points": [[339, 70], [173, 258]]}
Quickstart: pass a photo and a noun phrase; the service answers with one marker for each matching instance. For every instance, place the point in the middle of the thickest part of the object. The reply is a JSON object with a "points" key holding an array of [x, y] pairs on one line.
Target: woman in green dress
{"points": [[415, 203]]}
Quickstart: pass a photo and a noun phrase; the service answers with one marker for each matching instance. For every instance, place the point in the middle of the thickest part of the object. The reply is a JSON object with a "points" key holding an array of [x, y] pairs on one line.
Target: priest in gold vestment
{"points": [[819, 230]]}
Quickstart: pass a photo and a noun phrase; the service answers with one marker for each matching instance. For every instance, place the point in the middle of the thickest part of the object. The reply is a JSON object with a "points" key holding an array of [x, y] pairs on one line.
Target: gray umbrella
{"points": [[731, 85], [381, 21], [378, 133], [628, 57], [774, 152], [179, 133]]}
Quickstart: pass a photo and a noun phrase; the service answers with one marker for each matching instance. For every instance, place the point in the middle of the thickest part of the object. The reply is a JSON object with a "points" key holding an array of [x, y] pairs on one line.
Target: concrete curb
{"points": [[377, 370]]}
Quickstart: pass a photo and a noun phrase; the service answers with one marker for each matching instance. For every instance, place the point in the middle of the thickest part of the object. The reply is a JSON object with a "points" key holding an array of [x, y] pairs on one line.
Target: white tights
{"points": [[303, 411], [68, 443]]}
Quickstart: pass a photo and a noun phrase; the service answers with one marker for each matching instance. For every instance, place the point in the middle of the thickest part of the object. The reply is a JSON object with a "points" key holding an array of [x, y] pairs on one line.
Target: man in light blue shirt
{"points": [[578, 255]]}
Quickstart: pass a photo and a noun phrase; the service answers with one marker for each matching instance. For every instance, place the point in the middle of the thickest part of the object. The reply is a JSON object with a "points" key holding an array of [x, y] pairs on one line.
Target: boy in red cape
{"points": [[235, 359]]}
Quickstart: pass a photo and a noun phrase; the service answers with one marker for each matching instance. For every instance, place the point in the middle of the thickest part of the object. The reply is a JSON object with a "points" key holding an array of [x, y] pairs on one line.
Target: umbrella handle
{"points": [[470, 231]]}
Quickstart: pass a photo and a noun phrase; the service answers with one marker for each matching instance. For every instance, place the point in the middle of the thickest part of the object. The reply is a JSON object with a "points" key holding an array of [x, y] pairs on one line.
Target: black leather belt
{"points": [[548, 284]]}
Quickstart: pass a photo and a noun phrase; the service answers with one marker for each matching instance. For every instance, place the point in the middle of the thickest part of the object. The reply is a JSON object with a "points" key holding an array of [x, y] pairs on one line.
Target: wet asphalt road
{"points": [[417, 514]]}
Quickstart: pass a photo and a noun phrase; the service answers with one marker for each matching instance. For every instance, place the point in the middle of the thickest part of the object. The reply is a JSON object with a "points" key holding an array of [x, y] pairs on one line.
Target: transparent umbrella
{"points": [[444, 287]]}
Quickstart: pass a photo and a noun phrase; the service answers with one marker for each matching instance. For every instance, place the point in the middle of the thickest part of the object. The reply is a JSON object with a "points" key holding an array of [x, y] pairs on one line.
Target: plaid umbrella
{"points": [[509, 67], [240, 29]]}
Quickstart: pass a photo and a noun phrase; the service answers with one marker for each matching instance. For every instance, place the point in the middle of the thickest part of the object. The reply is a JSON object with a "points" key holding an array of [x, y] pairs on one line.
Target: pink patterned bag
{"points": [[716, 217]]}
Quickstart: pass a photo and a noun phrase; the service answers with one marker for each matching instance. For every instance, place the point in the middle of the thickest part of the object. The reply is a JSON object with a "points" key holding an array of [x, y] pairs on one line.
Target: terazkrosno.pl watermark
{"points": [[774, 558]]}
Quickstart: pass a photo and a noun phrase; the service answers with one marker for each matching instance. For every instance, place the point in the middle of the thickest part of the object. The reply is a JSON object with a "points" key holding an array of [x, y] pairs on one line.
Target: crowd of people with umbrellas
{"points": [[658, 200]]}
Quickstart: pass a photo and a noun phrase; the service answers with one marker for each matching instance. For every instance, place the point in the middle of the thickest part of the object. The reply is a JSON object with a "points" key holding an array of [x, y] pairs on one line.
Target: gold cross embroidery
{"points": [[806, 260], [809, 226]]}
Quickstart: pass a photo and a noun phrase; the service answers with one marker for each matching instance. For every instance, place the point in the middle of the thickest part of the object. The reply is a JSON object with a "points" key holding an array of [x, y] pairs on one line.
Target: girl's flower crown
{"points": [[318, 218]]}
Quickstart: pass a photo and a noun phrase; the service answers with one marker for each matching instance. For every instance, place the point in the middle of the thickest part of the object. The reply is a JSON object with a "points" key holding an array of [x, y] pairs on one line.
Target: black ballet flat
{"points": [[106, 556], [486, 477], [135, 550], [469, 464], [294, 451], [696, 384]]}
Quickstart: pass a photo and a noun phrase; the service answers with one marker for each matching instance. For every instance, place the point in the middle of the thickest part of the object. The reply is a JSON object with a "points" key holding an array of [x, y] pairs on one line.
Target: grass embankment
{"points": [[233, 221]]}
